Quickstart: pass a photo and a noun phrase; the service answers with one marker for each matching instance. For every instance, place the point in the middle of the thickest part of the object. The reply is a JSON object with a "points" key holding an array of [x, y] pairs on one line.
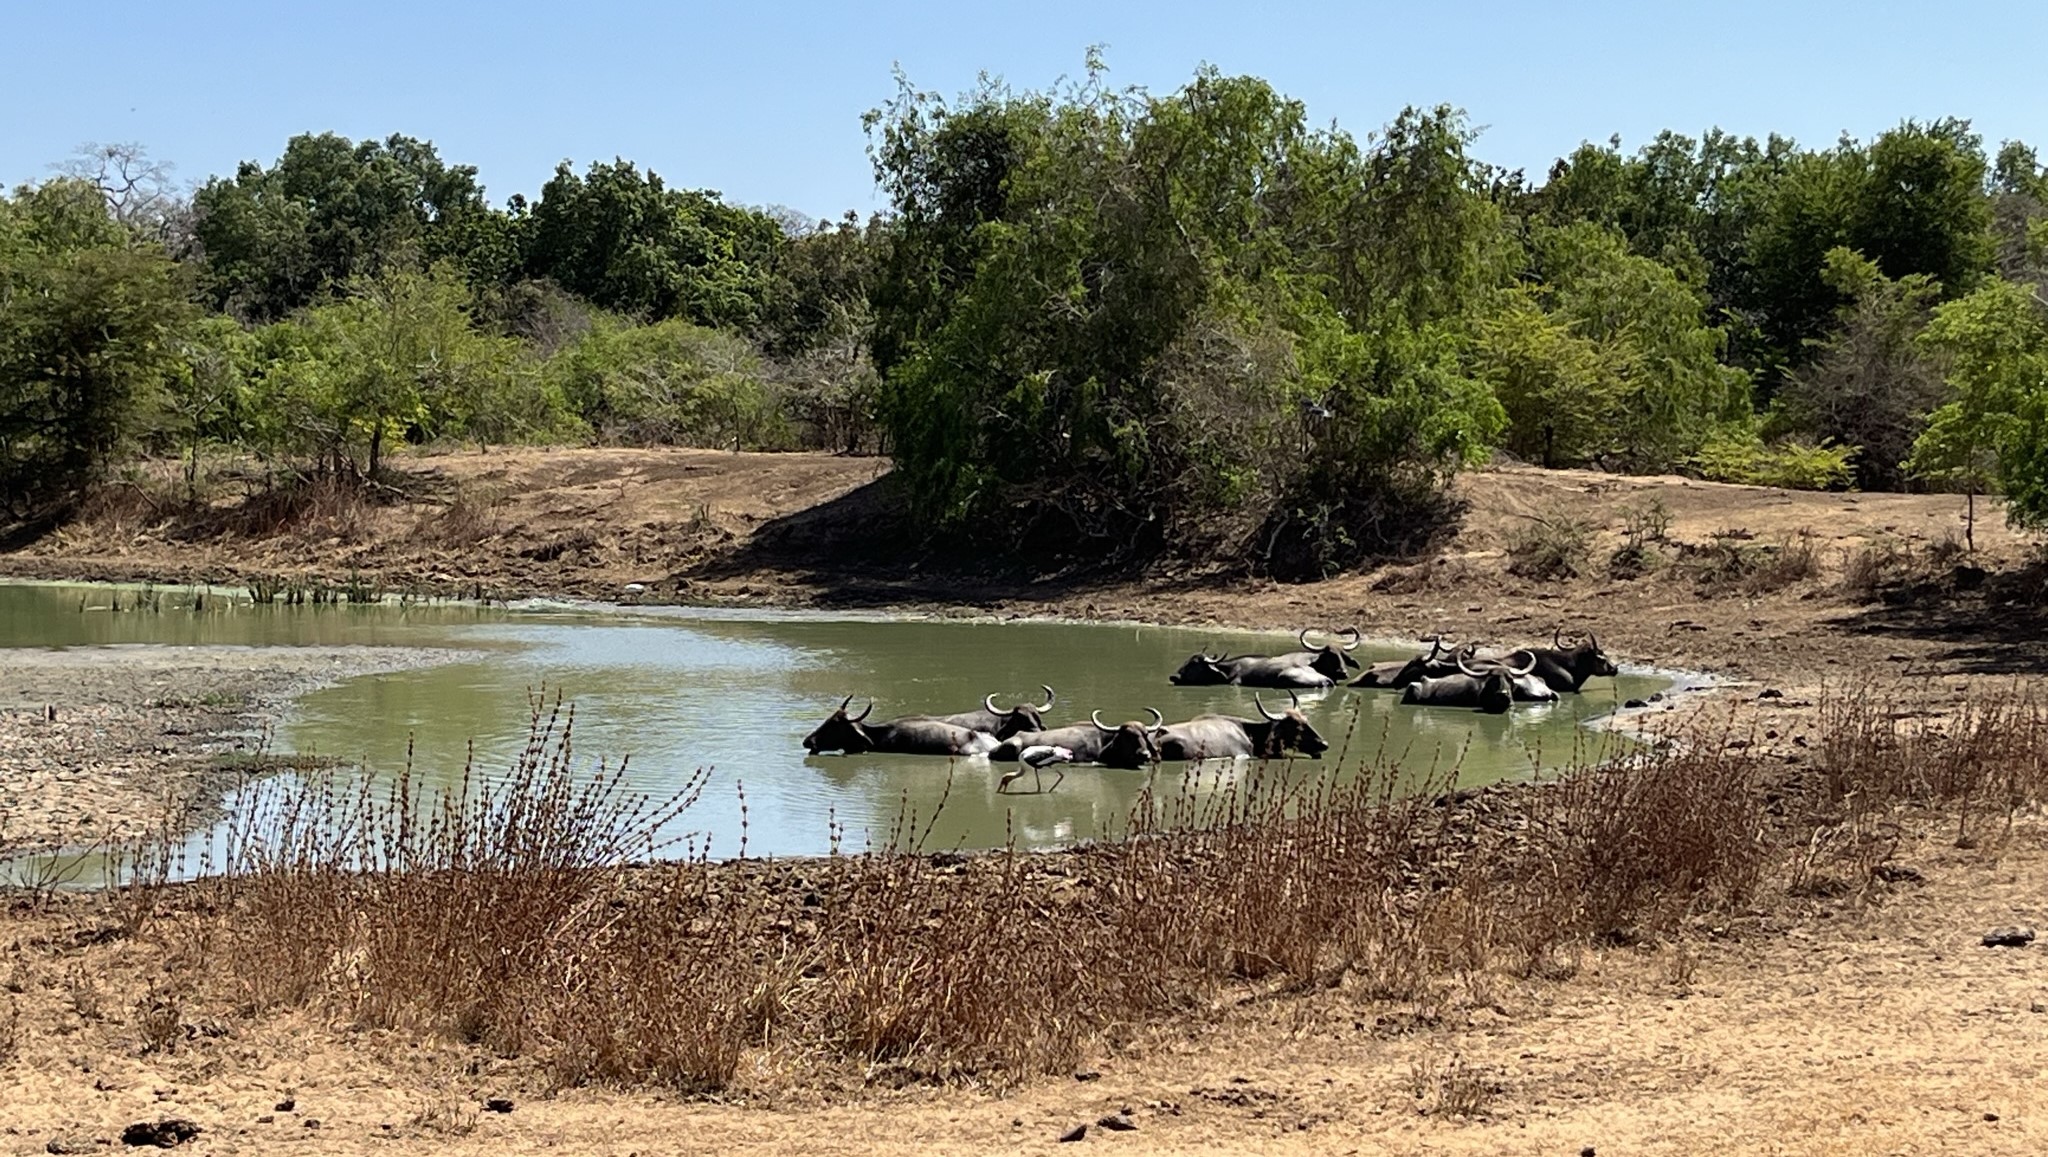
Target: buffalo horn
{"points": [[864, 714], [1096, 716], [1049, 697], [844, 702], [1304, 640], [1557, 637], [1357, 637], [1593, 641], [990, 703], [1270, 717], [1158, 720], [1525, 668], [1464, 668]]}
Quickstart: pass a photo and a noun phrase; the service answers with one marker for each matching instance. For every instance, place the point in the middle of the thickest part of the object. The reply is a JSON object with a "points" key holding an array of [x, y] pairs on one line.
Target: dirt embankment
{"points": [[1756, 582]]}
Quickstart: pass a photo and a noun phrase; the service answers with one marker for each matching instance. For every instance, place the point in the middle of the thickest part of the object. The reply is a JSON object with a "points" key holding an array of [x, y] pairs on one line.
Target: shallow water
{"points": [[735, 691]]}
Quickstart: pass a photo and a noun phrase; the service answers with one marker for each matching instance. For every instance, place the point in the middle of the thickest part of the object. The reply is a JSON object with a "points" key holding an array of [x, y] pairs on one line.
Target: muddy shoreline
{"points": [[108, 743]]}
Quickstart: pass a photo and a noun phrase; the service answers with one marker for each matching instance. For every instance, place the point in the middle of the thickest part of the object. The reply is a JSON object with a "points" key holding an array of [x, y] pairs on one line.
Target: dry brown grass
{"points": [[508, 913]]}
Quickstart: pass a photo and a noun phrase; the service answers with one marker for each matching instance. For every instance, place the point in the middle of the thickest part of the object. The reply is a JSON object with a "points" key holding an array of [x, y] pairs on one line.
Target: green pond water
{"points": [[734, 691]]}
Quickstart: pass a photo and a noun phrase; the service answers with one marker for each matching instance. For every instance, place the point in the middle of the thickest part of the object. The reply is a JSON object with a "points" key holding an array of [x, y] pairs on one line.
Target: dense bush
{"points": [[1111, 322], [89, 325], [671, 383]]}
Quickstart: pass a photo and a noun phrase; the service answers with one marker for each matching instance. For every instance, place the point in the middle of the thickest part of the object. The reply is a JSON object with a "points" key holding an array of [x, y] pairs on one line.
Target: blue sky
{"points": [[763, 102]]}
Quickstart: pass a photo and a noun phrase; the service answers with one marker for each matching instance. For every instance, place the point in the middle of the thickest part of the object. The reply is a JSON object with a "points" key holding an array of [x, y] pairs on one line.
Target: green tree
{"points": [[1557, 387], [90, 324], [396, 359], [1663, 386], [1873, 383], [331, 211], [1109, 321], [670, 382], [1993, 430], [629, 243]]}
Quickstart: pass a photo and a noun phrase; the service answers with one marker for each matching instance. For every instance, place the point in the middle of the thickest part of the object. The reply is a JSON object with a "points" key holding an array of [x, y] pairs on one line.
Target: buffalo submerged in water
{"points": [[1229, 737], [1312, 666], [908, 735]]}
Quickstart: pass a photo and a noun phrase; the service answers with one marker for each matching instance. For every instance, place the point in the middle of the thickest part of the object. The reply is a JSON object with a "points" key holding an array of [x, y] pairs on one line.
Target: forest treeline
{"points": [[1092, 322]]}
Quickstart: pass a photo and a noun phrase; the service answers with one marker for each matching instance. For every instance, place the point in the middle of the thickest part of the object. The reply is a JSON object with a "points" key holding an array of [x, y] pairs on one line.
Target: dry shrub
{"points": [[470, 518], [1866, 569], [1728, 563], [504, 913], [321, 506], [1886, 747], [481, 911], [1550, 548], [1447, 1087]]}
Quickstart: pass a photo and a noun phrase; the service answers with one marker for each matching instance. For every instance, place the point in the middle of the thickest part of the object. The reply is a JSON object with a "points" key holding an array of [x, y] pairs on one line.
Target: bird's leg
{"points": [[1060, 772]]}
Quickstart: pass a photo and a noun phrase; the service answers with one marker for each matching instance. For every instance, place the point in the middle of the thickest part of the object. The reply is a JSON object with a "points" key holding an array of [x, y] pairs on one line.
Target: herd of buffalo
{"points": [[1467, 676]]}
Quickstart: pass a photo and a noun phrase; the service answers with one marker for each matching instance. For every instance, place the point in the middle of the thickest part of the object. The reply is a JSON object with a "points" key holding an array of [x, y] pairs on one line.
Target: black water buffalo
{"points": [[1128, 745], [910, 735], [1565, 668], [1398, 673], [1000, 723], [1311, 667], [1228, 737], [1488, 687], [1088, 741]]}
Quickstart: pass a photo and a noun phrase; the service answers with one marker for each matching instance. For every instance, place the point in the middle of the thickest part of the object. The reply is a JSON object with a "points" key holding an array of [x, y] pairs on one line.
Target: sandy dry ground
{"points": [[1878, 1026], [1815, 1027]]}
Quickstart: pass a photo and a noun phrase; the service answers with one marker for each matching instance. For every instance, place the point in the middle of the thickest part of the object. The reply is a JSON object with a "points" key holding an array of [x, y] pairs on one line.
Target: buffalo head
{"points": [[1585, 661], [1291, 730], [1496, 682], [1129, 745], [1201, 670], [1022, 717], [1330, 661], [841, 732]]}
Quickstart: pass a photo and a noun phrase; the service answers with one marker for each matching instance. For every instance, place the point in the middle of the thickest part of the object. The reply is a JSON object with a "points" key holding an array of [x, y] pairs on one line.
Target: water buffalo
{"points": [[1311, 667], [1489, 687], [1228, 737], [910, 735], [1087, 741], [1129, 745], [1567, 668], [1398, 673], [1000, 723]]}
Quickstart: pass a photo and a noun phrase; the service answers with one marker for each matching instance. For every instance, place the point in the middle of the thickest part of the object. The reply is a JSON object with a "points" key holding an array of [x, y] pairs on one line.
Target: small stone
{"points": [[168, 1133], [1634, 703], [2008, 938], [1991, 1116], [286, 1105], [1586, 1152], [1075, 1133], [1770, 693], [312, 1122], [498, 1105], [266, 1118], [1117, 1123], [1087, 1075]]}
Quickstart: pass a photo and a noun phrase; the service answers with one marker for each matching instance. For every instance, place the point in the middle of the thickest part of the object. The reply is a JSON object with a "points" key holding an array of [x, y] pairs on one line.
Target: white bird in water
{"points": [[1036, 758]]}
